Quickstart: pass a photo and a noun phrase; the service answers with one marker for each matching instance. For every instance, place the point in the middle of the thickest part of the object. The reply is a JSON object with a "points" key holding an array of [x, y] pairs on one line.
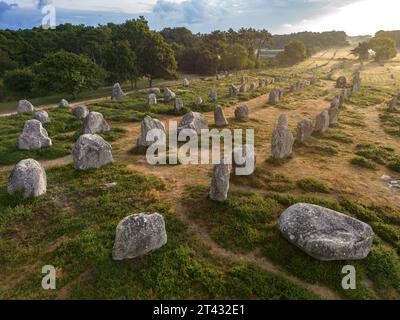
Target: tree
{"points": [[385, 48], [67, 72], [294, 52], [362, 51], [19, 82], [157, 59], [120, 62], [235, 57], [6, 63]]}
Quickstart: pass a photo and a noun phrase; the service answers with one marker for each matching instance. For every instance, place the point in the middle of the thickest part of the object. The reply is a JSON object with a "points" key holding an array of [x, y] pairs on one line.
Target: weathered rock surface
{"points": [[193, 121], [305, 130], [24, 106], [80, 112], [91, 152], [326, 234], [335, 103], [95, 123], [29, 177], [213, 96], [63, 104], [246, 153], [117, 93], [169, 95], [178, 104], [219, 117], [153, 91], [322, 122], [333, 115], [282, 140], [233, 91], [393, 104], [138, 235], [148, 124], [34, 136], [198, 101], [242, 112], [186, 82], [220, 182], [341, 82], [274, 97], [152, 99], [253, 86], [42, 116]]}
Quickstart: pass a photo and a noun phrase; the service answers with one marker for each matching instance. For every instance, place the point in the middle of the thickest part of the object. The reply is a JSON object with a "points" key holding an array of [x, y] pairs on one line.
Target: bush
{"points": [[312, 185], [363, 163], [19, 82]]}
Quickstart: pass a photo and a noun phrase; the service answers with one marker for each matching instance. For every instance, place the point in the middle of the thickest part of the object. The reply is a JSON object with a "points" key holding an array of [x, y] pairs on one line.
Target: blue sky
{"points": [[278, 16]]}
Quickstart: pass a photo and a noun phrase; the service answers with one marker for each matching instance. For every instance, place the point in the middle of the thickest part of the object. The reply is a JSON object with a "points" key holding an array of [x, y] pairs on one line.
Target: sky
{"points": [[356, 17]]}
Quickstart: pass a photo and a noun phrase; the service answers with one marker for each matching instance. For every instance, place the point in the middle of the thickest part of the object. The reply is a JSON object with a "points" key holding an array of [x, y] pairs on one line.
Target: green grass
{"points": [[335, 135], [63, 129], [247, 222], [363, 163], [312, 185], [390, 122], [370, 96], [73, 227]]}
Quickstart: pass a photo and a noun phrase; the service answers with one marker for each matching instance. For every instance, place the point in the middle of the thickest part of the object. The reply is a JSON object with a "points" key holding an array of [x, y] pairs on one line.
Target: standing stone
{"points": [[178, 104], [193, 121], [242, 112], [233, 91], [148, 124], [219, 117], [24, 106], [29, 177], [91, 152], [247, 153], [243, 88], [218, 77], [393, 104], [335, 103], [138, 235], [305, 130], [322, 122], [117, 93], [80, 112], [168, 95], [198, 101], [243, 80], [63, 104], [325, 234], [282, 140], [186, 82], [34, 136], [333, 115], [341, 82], [220, 182], [261, 83], [95, 123], [152, 99], [253, 86], [213, 96], [153, 91], [42, 116], [274, 97]]}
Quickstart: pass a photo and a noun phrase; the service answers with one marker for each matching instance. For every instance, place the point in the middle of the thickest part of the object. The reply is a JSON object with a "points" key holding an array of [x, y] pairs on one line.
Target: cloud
{"points": [[4, 7], [42, 3]]}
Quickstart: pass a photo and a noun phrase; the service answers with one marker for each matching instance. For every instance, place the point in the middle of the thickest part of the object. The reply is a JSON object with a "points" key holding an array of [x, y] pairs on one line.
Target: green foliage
{"points": [[19, 82], [235, 57], [385, 48], [67, 72], [363, 163], [312, 185], [295, 52]]}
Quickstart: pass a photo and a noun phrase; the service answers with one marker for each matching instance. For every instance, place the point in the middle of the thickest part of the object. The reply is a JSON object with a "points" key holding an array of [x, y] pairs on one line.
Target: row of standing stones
{"points": [[320, 232]]}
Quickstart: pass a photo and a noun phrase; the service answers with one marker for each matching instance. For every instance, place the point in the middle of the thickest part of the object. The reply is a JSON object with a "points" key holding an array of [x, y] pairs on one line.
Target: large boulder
{"points": [[148, 124], [24, 106], [220, 182], [333, 115], [305, 130], [246, 153], [341, 82], [233, 91], [138, 235], [34, 136], [326, 234], [193, 121], [91, 152], [80, 112], [213, 96], [322, 122], [274, 97], [117, 93], [42, 116], [242, 112], [169, 95], [154, 91], [29, 177], [219, 117], [63, 104], [152, 99], [282, 140], [95, 123]]}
